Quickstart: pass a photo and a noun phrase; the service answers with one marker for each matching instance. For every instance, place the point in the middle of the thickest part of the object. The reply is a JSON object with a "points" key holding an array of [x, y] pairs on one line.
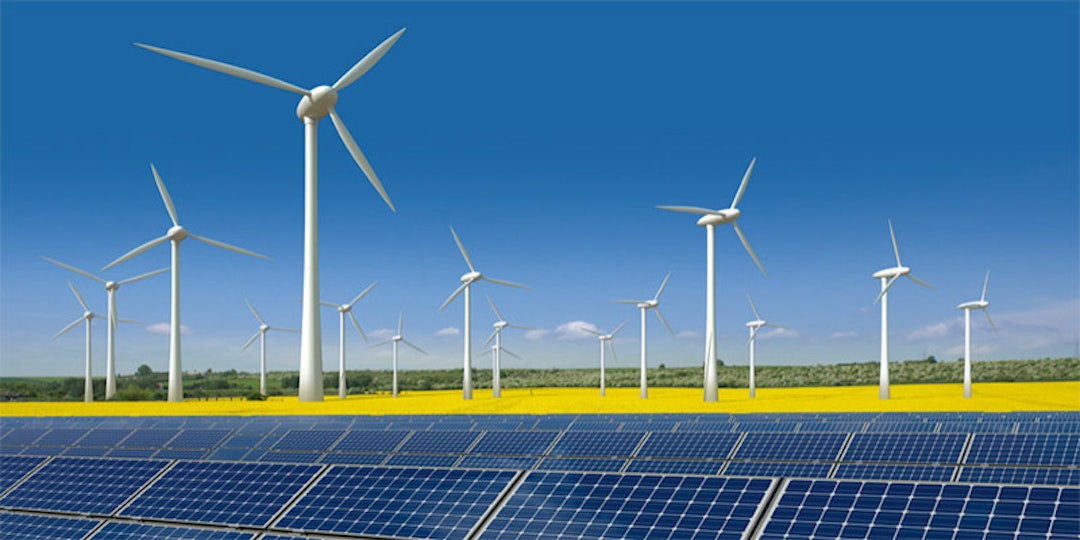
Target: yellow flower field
{"points": [[989, 397]]}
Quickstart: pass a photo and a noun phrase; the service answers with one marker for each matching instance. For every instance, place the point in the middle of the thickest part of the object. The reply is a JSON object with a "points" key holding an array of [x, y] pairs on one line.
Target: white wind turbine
{"points": [[644, 306], [754, 326], [496, 361], [110, 288], [888, 276], [261, 333], [710, 219], [315, 105], [466, 285], [605, 338], [176, 234], [87, 316], [399, 338], [342, 310], [982, 304]]}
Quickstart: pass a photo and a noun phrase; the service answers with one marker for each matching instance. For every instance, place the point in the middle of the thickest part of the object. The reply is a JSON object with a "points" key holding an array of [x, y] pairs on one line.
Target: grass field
{"points": [[988, 397]]}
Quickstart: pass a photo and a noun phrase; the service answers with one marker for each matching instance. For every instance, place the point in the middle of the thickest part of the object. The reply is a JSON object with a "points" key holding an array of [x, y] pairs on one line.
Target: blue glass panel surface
{"points": [[497, 462], [353, 458], [199, 438], [116, 530], [61, 437], [309, 439], [1021, 475], [423, 460], [105, 436], [599, 444], [148, 438], [774, 468], [866, 471], [439, 442], [13, 468], [1025, 449], [35, 527], [82, 485], [791, 446], [581, 464], [689, 445], [674, 466], [942, 448], [526, 443], [370, 441]]}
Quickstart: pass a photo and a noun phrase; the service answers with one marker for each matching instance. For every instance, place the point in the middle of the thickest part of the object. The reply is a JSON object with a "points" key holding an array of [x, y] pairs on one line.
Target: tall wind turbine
{"points": [[644, 306], [87, 316], [110, 288], [466, 285], [496, 360], [710, 219], [175, 234], [888, 276], [754, 326], [315, 105], [605, 338], [342, 310], [399, 338], [982, 304], [261, 333]]}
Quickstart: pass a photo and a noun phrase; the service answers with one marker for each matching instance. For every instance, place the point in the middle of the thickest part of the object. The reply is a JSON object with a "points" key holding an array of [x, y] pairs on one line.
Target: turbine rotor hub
{"points": [[318, 104], [721, 217], [177, 233], [501, 324], [344, 308], [471, 277], [111, 285], [264, 327]]}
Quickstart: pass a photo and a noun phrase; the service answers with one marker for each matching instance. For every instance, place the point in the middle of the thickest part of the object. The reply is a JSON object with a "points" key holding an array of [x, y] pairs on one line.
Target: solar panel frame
{"points": [[581, 464], [199, 438], [589, 444], [126, 530], [1025, 449], [790, 446], [16, 526], [422, 460], [674, 466], [697, 445], [795, 469], [439, 442], [316, 440], [514, 443], [15, 468], [925, 448], [517, 463], [89, 486], [369, 440], [1020, 475], [888, 471]]}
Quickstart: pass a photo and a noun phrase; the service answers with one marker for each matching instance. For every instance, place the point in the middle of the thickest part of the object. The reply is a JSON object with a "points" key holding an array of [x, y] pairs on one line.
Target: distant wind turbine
{"points": [[608, 339], [496, 364], [315, 105], [710, 219], [176, 234], [754, 326], [399, 338], [87, 316], [982, 304], [110, 288], [888, 277], [466, 285], [261, 333], [644, 306], [342, 310]]}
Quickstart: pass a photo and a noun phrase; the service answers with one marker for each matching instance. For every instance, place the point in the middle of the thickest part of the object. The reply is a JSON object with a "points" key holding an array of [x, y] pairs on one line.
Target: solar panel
{"points": [[1025, 449], [148, 438], [370, 441], [290, 457], [917, 426], [131, 452], [117, 530], [791, 446], [689, 445], [199, 438], [13, 468], [228, 454], [674, 466], [238, 494], [60, 437], [527, 443], [10, 450], [906, 447], [305, 439], [610, 505], [706, 426], [831, 426], [104, 437], [439, 442], [581, 464], [553, 422], [655, 426], [88, 451], [777, 468], [34, 527], [867, 471], [179, 453], [497, 462], [82, 485], [1021, 475], [397, 502], [967, 426], [766, 426], [350, 458], [594, 425], [422, 460], [22, 436], [593, 444]]}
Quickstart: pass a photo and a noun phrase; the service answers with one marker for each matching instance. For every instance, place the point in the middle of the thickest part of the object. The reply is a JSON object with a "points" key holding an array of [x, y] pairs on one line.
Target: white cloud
{"points": [[845, 334], [448, 331], [778, 333], [536, 335], [687, 334], [381, 333], [937, 330], [166, 329], [575, 330]]}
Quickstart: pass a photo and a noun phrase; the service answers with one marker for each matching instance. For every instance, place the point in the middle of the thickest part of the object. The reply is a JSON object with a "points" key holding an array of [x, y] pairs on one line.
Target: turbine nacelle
{"points": [[264, 327], [720, 217], [755, 324], [111, 285], [500, 325], [317, 104], [176, 233], [344, 308], [892, 272], [977, 304], [648, 304], [471, 277]]}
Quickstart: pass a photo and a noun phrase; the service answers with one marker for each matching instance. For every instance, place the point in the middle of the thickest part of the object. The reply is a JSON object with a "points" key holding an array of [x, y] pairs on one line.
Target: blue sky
{"points": [[546, 134]]}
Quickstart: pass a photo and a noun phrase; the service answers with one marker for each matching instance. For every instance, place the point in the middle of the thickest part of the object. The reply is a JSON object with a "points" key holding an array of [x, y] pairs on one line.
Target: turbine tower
{"points": [[710, 219], [982, 304], [644, 306], [261, 333], [888, 277], [605, 338], [496, 364], [342, 310], [87, 316], [110, 350], [315, 105], [466, 285], [175, 234], [754, 326], [399, 338]]}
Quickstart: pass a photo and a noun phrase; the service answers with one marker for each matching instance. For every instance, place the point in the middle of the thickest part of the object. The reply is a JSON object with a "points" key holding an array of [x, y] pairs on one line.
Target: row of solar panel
{"points": [[392, 502]]}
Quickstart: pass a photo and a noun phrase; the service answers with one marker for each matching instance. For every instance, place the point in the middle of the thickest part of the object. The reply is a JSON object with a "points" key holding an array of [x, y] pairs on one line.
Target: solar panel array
{"points": [[1011, 475]]}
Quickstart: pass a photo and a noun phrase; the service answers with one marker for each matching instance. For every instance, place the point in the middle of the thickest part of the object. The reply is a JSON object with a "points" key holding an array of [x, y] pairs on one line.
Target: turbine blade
{"points": [[753, 307], [280, 329], [896, 248], [128, 321], [611, 347], [68, 327], [327, 304], [249, 342], [750, 250], [633, 302], [229, 247], [367, 62], [356, 325], [617, 328], [593, 332], [151, 244], [169, 206], [400, 323], [696, 210], [753, 334], [986, 284], [491, 337], [520, 327], [78, 296], [113, 320], [461, 247], [742, 186], [495, 309], [143, 276], [228, 69], [920, 282], [511, 353], [663, 320], [73, 269], [422, 351], [888, 286], [253, 310], [776, 326], [359, 158], [662, 285], [453, 296], [361, 295], [507, 283], [384, 342]]}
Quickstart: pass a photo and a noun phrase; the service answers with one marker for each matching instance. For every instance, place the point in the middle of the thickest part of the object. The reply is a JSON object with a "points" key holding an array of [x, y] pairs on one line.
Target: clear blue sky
{"points": [[546, 134]]}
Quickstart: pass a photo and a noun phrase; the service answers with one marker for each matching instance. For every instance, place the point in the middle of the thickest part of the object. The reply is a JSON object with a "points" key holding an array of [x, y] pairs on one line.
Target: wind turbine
{"points": [[399, 338], [315, 105], [342, 310], [110, 288], [496, 365], [644, 306], [888, 277], [754, 326], [261, 333], [87, 316], [175, 234], [710, 219], [982, 304], [605, 338], [466, 285]]}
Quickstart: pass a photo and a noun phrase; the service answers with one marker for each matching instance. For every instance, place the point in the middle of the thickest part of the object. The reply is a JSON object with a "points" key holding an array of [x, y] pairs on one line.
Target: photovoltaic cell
{"points": [[178, 453], [869, 471], [148, 438], [1025, 449], [60, 437], [199, 438], [313, 439], [593, 444], [238, 494], [82, 485], [1021, 475], [520, 443], [775, 468], [674, 466], [581, 464], [610, 505], [104, 437], [963, 426], [906, 447], [689, 445], [422, 460], [228, 454], [397, 502], [791, 446], [291, 457], [831, 426], [22, 436], [13, 468], [901, 427], [370, 441], [35, 527], [116, 530], [439, 442], [131, 452], [86, 451], [350, 458], [497, 462]]}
